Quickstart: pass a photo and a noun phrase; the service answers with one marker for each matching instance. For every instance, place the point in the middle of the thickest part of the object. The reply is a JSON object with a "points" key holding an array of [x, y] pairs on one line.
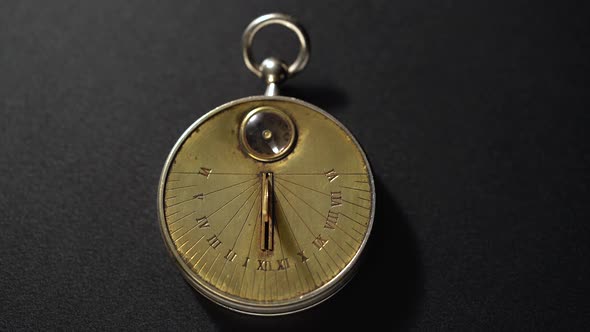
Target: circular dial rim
{"points": [[307, 300]]}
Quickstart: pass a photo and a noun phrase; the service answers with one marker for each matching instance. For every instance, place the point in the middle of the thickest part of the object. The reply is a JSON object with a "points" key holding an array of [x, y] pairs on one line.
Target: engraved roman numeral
{"points": [[214, 241], [203, 222], [283, 263], [199, 196], [263, 265], [205, 172], [335, 198], [231, 255], [331, 175], [246, 262], [319, 242], [331, 220], [302, 255]]}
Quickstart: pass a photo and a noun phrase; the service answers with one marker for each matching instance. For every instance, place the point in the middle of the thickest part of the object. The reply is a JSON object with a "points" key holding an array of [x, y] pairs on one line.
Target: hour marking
{"points": [[320, 242], [331, 175], [335, 198], [199, 196], [283, 264], [303, 257], [263, 265], [214, 241], [231, 255], [203, 222], [331, 220], [246, 262], [205, 172]]}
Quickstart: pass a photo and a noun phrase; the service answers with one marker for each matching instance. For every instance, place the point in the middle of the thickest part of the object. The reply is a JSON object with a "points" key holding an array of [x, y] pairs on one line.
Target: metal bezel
{"points": [[304, 302], [257, 155]]}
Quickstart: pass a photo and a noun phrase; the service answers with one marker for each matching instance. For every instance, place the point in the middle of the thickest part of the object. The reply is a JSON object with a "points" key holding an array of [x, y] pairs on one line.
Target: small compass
{"points": [[267, 202]]}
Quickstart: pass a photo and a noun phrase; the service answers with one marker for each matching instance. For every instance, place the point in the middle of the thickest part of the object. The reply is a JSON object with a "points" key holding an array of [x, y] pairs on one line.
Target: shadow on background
{"points": [[391, 247], [326, 96]]}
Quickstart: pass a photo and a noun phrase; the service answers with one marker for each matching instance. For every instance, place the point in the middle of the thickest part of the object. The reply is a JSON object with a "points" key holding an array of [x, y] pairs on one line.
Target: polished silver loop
{"points": [[286, 21]]}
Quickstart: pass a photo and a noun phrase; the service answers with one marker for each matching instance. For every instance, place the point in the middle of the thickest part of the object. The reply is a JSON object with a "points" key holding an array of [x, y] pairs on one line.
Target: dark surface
{"points": [[474, 116]]}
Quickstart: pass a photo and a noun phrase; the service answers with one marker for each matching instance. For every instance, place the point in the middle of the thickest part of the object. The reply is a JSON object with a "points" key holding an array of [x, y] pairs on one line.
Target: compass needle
{"points": [[266, 203]]}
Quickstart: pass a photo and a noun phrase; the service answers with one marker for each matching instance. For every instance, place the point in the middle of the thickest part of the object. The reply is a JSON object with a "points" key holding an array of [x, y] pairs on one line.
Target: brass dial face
{"points": [[266, 237]]}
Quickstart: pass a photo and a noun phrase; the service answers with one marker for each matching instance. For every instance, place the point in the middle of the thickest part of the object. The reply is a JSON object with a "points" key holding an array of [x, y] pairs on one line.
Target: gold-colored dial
{"points": [[266, 237]]}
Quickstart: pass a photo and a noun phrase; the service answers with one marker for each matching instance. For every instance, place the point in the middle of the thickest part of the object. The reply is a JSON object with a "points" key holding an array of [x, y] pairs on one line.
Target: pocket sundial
{"points": [[267, 202]]}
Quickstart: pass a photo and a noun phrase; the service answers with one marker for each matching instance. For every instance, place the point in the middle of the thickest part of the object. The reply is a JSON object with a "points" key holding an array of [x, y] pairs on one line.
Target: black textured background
{"points": [[475, 116]]}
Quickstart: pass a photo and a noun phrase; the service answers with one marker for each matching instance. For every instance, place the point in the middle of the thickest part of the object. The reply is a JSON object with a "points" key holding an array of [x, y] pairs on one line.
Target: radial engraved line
{"points": [[196, 252], [283, 254], [300, 185], [191, 248], [230, 186], [176, 230], [238, 211], [231, 200], [357, 231], [356, 221], [301, 199], [340, 256], [233, 272], [182, 245], [359, 189], [297, 213], [200, 258], [232, 248], [279, 174], [173, 205], [280, 205], [358, 214], [212, 264], [332, 259], [339, 247], [321, 267], [170, 224], [183, 187], [248, 256], [212, 173], [245, 220], [301, 282], [185, 233], [350, 236], [355, 204], [171, 214]]}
